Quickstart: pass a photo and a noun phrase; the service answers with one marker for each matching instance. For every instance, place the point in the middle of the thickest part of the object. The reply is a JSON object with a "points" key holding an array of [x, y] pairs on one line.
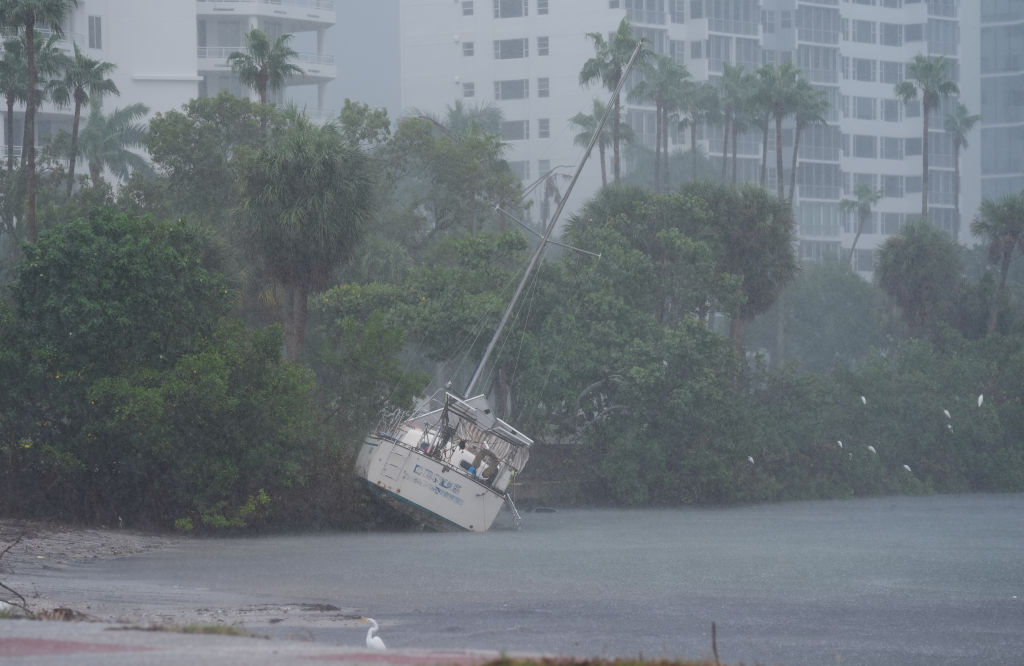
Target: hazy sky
{"points": [[364, 43]]}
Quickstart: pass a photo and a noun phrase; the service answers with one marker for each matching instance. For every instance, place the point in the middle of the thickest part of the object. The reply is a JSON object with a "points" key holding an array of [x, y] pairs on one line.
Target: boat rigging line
{"points": [[551, 225]]}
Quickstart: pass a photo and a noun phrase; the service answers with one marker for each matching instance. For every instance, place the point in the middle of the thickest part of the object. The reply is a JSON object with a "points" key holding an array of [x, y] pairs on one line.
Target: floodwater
{"points": [[890, 581]]}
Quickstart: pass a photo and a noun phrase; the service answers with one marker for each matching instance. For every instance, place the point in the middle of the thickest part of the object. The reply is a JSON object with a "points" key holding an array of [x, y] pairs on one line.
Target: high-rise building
{"points": [[1000, 74], [222, 25], [167, 53], [525, 57]]}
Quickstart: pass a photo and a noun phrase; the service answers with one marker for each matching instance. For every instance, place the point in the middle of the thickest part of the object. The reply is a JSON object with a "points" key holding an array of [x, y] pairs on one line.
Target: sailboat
{"points": [[450, 464]]}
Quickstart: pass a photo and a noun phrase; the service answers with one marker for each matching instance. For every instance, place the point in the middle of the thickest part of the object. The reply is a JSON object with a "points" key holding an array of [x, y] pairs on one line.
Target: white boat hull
{"points": [[435, 492]]}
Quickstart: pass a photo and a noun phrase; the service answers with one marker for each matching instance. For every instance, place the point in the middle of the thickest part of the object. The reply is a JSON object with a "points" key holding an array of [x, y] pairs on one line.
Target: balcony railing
{"points": [[327, 5], [222, 53]]}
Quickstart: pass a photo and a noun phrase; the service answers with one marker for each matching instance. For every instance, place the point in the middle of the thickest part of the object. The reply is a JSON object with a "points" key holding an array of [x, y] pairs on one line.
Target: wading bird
{"points": [[373, 642]]}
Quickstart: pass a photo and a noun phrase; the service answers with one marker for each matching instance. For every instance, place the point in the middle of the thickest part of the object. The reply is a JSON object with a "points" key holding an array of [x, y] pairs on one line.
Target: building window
{"points": [[913, 108], [543, 128], [613, 4], [542, 6], [891, 34], [892, 186], [513, 89], [467, 49], [892, 149], [912, 146], [864, 32], [865, 260], [891, 110], [543, 87], [509, 49], [696, 50], [469, 90], [95, 32], [865, 146], [515, 130], [543, 44], [864, 108], [892, 72], [913, 33], [863, 70], [696, 9], [892, 222], [510, 8], [467, 7]]}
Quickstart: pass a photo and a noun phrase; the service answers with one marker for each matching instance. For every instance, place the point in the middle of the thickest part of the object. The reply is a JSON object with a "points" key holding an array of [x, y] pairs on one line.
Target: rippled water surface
{"points": [[895, 581]]}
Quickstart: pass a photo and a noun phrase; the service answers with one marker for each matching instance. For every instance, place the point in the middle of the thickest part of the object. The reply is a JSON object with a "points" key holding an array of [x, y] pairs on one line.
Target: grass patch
{"points": [[570, 661]]}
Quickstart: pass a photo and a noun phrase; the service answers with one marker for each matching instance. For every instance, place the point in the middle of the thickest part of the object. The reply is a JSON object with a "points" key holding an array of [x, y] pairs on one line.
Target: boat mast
{"points": [[551, 225]]}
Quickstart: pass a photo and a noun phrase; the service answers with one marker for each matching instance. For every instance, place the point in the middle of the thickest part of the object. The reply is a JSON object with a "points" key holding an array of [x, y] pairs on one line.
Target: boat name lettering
{"points": [[441, 485]]}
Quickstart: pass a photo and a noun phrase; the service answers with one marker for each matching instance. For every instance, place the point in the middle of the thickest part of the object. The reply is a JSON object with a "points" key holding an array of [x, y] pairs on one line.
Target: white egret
{"points": [[840, 443], [863, 400], [906, 467], [946, 412], [981, 399], [750, 459], [373, 642], [871, 449]]}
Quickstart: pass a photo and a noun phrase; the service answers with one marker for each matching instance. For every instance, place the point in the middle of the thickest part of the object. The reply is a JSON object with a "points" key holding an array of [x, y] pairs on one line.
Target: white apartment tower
{"points": [[168, 53], [222, 24], [525, 57]]}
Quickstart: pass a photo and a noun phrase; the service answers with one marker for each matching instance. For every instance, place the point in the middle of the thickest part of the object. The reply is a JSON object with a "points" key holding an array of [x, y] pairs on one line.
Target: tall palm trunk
{"points": [[693, 149], [617, 118], [725, 143], [295, 321], [956, 190], [779, 176], [861, 216], [30, 127], [764, 149], [664, 149], [9, 133], [924, 161], [604, 170], [796, 153], [734, 144], [74, 146], [657, 146], [1004, 269]]}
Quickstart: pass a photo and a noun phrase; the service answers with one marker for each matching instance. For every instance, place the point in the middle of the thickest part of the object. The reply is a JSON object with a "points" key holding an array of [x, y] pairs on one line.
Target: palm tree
{"points": [[587, 124], [264, 66], [26, 15], [930, 77], [731, 93], [811, 107], [763, 109], [484, 117], [959, 124], [1002, 223], [84, 79], [106, 141], [609, 62], [783, 99], [305, 197], [703, 105], [866, 198], [663, 84], [13, 73]]}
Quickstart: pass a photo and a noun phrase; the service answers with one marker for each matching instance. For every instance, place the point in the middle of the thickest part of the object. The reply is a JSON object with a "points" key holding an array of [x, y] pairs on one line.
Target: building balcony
{"points": [[297, 15], [318, 68]]}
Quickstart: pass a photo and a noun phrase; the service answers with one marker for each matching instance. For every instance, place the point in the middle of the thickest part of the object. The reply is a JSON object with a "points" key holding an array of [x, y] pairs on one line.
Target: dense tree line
{"points": [[204, 345]]}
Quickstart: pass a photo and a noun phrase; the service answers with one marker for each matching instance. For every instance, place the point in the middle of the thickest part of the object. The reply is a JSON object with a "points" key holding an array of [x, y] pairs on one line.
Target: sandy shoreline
{"points": [[41, 549], [40, 543]]}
